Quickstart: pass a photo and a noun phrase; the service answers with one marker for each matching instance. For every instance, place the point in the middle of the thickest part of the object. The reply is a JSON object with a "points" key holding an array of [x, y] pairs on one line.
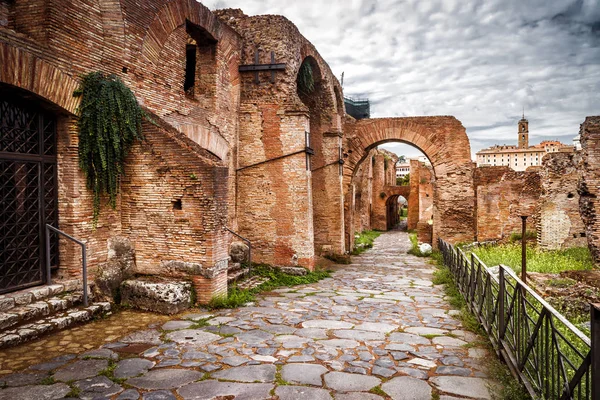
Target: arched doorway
{"points": [[28, 189], [445, 143]]}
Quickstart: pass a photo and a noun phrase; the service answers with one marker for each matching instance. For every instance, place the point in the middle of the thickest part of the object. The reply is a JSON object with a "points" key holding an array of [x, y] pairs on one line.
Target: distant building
{"points": [[357, 108], [522, 156], [402, 169]]}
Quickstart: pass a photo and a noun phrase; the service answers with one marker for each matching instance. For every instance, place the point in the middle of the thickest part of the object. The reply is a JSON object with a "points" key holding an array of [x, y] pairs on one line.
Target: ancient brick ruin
{"points": [[251, 149]]}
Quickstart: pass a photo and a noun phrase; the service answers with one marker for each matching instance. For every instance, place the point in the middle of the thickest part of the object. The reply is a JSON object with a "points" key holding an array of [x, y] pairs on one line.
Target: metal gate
{"points": [[28, 192]]}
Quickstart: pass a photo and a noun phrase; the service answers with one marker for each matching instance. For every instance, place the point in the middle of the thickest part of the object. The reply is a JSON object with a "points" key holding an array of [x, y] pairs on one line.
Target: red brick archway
{"points": [[444, 141]]}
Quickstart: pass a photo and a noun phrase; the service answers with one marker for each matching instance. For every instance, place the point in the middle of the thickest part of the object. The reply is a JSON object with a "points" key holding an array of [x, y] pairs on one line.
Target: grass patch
{"points": [[278, 379], [544, 261], [75, 392], [561, 282], [508, 387], [49, 380], [378, 391], [109, 372], [364, 241], [529, 235], [201, 323], [238, 297], [414, 250]]}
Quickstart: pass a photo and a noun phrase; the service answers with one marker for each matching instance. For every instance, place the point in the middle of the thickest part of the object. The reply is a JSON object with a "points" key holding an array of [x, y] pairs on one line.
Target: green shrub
{"points": [[529, 235], [238, 297], [364, 241]]}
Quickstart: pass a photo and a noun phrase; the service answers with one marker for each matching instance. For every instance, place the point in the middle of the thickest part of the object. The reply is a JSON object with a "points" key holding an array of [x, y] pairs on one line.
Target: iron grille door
{"points": [[28, 193]]}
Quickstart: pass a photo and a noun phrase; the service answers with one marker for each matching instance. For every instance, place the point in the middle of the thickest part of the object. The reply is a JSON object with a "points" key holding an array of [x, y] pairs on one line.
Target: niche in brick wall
{"points": [[200, 65]]}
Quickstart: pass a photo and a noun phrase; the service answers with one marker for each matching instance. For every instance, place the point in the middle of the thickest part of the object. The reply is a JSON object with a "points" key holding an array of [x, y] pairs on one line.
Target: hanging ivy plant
{"points": [[110, 120], [306, 80]]}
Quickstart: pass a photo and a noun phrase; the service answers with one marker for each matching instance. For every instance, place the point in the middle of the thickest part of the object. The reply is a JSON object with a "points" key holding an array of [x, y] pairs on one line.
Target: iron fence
{"points": [[550, 356]]}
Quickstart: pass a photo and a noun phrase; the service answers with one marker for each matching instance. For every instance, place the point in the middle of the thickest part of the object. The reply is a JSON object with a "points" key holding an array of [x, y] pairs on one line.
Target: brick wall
{"points": [[589, 182], [503, 195], [559, 221]]}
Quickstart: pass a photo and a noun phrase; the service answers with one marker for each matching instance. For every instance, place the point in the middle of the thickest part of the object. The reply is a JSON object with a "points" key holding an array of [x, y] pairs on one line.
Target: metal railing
{"points": [[550, 356], [83, 259]]}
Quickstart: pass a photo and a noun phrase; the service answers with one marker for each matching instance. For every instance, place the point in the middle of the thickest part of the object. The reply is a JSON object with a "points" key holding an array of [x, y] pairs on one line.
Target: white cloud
{"points": [[479, 60]]}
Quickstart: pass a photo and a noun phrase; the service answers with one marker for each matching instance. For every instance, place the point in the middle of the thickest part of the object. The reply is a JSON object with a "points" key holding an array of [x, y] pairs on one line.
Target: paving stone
{"points": [[150, 336], [327, 324], [174, 325], [129, 394], [22, 379], [423, 330], [304, 374], [211, 389], [254, 337], [37, 392], [356, 396], [408, 338], [258, 357], [342, 343], [97, 387], [159, 395], [100, 353], [427, 364], [448, 341], [313, 333], [234, 361], [195, 337], [407, 388], [131, 367], [80, 370], [166, 378], [376, 327], [445, 370], [359, 335], [345, 382], [462, 386], [253, 373], [301, 393], [381, 371], [399, 355]]}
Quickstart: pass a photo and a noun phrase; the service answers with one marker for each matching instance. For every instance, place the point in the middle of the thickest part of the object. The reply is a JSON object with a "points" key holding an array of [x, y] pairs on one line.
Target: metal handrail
{"points": [[244, 240], [552, 357], [83, 259]]}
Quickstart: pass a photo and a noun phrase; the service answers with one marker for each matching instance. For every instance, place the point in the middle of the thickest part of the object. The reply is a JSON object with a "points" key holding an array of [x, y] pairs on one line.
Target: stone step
{"points": [[252, 282], [38, 293], [58, 321], [236, 275], [17, 316]]}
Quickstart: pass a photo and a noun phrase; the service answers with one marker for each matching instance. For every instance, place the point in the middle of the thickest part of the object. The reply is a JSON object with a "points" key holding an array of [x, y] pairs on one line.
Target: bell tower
{"points": [[523, 133]]}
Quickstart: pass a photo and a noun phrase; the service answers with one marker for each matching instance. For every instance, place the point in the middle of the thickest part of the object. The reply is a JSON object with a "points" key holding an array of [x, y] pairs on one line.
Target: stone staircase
{"points": [[28, 314], [236, 273]]}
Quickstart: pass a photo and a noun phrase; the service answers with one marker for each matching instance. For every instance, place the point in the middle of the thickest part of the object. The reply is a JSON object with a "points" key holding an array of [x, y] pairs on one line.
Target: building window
{"points": [[190, 69]]}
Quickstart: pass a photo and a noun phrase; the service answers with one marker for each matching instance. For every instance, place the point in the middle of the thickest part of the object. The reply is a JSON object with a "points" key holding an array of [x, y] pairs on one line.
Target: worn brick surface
{"points": [[589, 182], [559, 221]]}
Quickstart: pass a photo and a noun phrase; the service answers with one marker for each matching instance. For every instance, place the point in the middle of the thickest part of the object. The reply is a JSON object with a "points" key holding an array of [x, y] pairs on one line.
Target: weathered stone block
{"points": [[167, 297], [239, 251], [297, 271], [118, 267]]}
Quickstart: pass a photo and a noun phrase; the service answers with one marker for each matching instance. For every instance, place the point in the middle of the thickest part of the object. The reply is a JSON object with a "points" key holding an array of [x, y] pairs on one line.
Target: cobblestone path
{"points": [[378, 325]]}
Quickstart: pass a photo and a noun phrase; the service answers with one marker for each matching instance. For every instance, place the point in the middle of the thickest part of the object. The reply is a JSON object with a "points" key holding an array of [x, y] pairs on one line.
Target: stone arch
{"points": [[24, 70], [170, 17], [444, 141]]}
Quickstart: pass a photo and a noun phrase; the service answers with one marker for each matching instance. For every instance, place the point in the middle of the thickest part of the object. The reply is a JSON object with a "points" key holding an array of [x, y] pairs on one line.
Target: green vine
{"points": [[306, 80], [110, 120]]}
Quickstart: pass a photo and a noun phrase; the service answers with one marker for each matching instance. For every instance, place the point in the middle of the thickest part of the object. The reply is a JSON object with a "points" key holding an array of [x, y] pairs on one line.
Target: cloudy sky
{"points": [[479, 60]]}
